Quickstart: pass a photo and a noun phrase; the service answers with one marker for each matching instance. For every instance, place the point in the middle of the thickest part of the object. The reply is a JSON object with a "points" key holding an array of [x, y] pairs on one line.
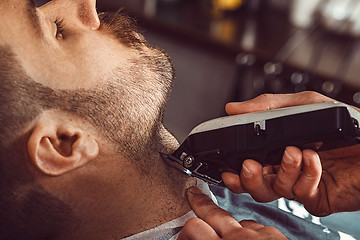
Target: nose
{"points": [[83, 10], [87, 13]]}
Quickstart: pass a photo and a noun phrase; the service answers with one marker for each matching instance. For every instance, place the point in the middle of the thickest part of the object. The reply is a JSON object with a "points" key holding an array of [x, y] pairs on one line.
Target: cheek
{"points": [[81, 63], [99, 58]]}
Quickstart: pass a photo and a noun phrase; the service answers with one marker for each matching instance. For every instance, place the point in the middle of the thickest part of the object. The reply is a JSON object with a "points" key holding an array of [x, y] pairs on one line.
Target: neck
{"points": [[160, 198], [135, 201]]}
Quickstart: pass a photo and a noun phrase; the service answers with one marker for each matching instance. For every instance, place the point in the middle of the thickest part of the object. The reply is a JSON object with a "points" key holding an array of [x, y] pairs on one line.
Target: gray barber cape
{"points": [[243, 207]]}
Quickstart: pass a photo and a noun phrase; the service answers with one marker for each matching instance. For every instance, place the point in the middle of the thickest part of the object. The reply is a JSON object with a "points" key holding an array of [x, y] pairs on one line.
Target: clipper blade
{"points": [[174, 162]]}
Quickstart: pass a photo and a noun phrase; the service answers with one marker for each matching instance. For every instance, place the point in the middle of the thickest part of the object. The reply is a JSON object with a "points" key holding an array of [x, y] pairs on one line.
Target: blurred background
{"points": [[234, 50]]}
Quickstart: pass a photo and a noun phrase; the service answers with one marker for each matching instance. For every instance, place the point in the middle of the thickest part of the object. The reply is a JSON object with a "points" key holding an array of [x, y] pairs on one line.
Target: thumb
{"points": [[266, 102]]}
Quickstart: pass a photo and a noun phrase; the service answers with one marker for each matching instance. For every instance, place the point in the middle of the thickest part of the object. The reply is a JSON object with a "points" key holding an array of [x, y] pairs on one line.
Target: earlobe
{"points": [[57, 146]]}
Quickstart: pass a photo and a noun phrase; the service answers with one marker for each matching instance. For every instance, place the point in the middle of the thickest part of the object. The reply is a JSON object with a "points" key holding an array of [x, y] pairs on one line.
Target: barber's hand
{"points": [[325, 183], [215, 223]]}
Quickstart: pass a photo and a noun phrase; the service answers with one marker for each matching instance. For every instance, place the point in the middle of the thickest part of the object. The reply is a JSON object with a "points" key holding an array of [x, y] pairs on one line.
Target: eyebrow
{"points": [[33, 15]]}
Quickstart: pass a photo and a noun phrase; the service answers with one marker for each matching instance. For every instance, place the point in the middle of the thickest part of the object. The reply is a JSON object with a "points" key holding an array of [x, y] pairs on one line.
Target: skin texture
{"points": [[325, 182], [93, 143]]}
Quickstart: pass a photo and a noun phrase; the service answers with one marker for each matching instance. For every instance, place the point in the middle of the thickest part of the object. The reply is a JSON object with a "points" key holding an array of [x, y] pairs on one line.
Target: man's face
{"points": [[64, 46]]}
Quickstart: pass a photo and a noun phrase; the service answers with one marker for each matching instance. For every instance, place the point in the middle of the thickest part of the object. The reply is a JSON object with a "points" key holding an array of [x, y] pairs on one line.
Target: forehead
{"points": [[9, 5], [17, 16]]}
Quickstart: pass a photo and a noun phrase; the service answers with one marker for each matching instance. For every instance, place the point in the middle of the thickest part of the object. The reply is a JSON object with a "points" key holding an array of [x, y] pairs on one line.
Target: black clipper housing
{"points": [[223, 144]]}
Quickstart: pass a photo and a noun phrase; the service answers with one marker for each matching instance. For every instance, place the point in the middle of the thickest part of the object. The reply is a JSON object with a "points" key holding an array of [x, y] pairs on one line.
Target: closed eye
{"points": [[59, 28]]}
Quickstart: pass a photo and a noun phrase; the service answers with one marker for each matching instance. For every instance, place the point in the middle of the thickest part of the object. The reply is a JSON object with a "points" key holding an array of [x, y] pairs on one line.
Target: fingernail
{"points": [[194, 190], [246, 172], [287, 157]]}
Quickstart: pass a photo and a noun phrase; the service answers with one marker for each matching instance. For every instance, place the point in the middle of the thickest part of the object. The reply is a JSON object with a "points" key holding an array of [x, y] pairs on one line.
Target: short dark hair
{"points": [[24, 214], [27, 210]]}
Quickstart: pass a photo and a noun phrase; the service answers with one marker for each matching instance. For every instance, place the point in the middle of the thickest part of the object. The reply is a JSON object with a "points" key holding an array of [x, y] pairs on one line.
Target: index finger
{"points": [[220, 220], [266, 102]]}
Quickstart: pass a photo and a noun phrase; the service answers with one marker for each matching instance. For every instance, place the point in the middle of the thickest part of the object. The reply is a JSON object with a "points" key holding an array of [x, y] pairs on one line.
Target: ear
{"points": [[58, 145]]}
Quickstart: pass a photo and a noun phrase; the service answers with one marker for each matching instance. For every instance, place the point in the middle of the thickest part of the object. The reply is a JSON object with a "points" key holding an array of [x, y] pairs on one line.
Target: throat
{"points": [[163, 199], [152, 193], [143, 203]]}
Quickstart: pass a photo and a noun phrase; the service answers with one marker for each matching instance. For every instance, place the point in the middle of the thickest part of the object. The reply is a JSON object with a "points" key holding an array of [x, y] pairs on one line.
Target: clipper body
{"points": [[223, 144]]}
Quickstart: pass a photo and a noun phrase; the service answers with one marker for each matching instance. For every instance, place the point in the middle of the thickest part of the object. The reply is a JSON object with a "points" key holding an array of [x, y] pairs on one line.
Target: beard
{"points": [[129, 109]]}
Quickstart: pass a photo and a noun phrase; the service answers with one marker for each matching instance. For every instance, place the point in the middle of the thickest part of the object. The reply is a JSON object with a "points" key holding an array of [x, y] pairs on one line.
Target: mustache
{"points": [[122, 27]]}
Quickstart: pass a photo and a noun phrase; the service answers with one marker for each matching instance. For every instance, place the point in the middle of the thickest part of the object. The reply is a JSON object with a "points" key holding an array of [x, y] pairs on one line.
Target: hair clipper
{"points": [[223, 144]]}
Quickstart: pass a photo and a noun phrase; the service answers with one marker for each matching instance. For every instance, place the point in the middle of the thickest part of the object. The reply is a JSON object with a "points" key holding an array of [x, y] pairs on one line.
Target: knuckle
{"points": [[268, 99], [262, 96], [310, 94], [314, 97]]}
